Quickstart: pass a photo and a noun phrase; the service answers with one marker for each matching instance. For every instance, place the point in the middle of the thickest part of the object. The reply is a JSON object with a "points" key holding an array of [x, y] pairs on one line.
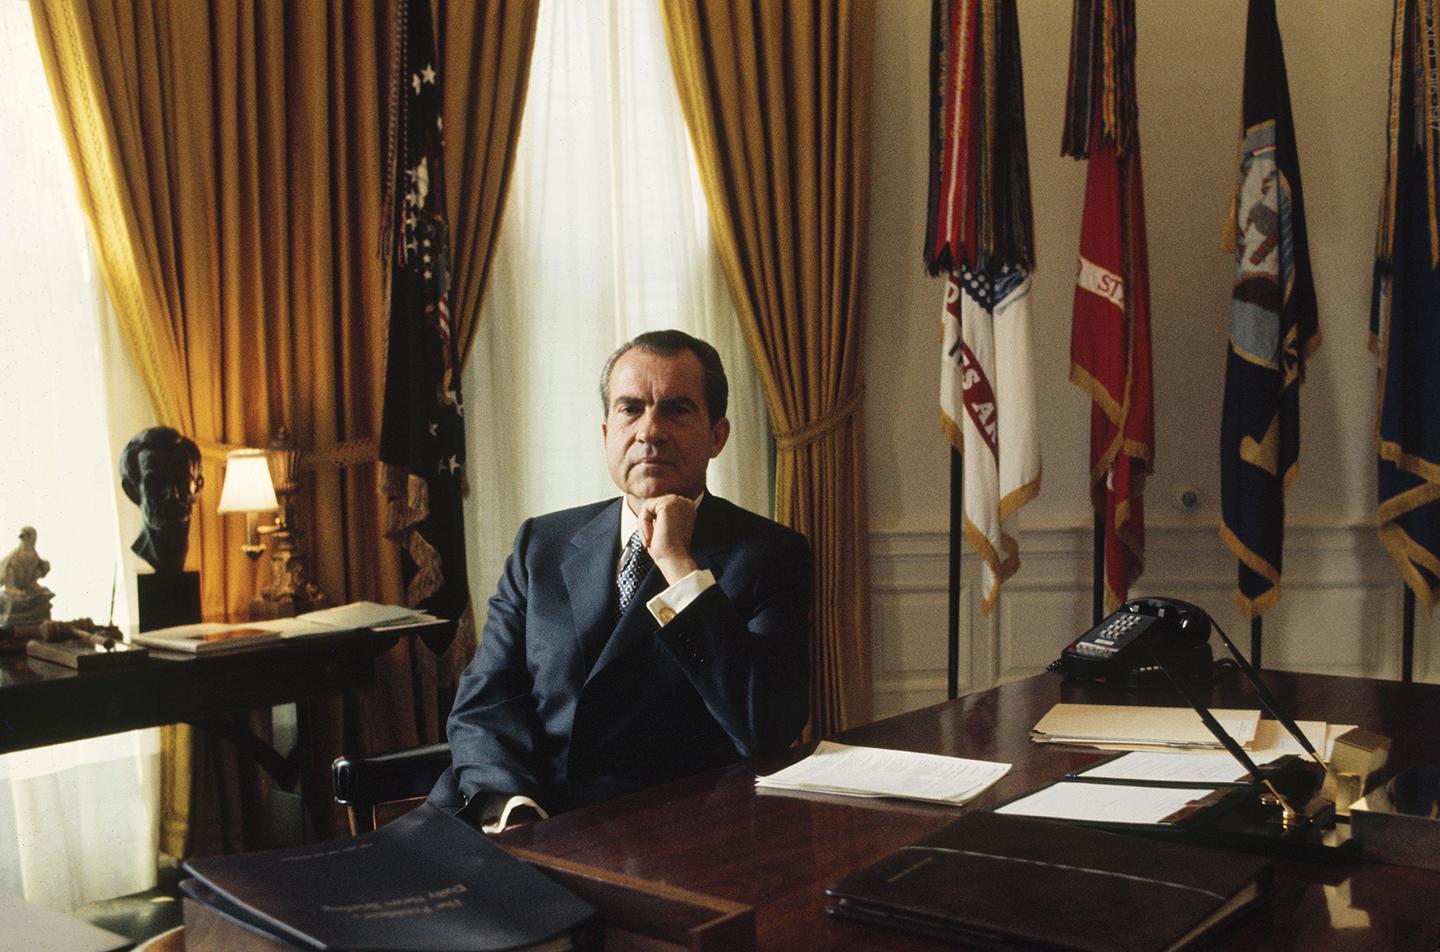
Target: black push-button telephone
{"points": [[1176, 633]]}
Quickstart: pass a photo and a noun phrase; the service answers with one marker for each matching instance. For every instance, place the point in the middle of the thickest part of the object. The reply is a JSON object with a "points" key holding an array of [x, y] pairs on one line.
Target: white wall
{"points": [[1341, 609]]}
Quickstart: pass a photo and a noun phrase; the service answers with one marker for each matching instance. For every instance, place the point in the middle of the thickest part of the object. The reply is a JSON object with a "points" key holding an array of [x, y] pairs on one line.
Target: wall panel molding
{"points": [[1340, 611]]}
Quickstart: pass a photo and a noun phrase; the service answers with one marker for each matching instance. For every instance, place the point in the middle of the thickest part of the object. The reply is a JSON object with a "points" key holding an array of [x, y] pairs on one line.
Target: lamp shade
{"points": [[247, 483]]}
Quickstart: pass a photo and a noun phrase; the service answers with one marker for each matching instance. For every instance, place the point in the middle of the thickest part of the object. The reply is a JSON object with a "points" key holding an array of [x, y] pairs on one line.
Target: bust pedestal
{"points": [[168, 598]]}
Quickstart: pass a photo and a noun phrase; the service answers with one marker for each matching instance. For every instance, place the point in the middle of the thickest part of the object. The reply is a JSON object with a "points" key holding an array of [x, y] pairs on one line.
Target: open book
{"points": [[207, 637]]}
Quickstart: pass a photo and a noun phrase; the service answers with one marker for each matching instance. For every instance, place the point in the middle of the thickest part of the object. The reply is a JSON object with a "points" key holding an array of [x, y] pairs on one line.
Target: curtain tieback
{"points": [[341, 455], [815, 429]]}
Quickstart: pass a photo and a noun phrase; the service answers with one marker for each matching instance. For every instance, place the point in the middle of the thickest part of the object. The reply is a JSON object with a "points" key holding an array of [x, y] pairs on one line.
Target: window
{"points": [[77, 821], [605, 236]]}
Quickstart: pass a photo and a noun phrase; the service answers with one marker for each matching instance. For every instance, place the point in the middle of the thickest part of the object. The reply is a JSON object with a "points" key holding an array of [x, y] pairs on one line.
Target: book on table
{"points": [[206, 637], [428, 881], [1000, 882]]}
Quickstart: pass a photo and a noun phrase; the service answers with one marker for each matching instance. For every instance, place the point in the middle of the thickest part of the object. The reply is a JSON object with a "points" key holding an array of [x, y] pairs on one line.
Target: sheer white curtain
{"points": [[78, 822], [605, 236]]}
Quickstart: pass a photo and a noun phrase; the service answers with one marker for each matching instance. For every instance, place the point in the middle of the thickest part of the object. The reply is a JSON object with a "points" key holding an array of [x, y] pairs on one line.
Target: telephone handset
{"points": [[1177, 633]]}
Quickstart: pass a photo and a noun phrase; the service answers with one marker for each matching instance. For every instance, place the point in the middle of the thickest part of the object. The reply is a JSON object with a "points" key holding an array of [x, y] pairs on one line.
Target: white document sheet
{"points": [[1105, 802], [875, 772], [1196, 767], [1333, 732]]}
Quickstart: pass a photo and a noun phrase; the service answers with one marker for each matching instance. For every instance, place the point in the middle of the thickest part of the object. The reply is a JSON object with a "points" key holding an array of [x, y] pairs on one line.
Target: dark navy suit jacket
{"points": [[566, 705]]}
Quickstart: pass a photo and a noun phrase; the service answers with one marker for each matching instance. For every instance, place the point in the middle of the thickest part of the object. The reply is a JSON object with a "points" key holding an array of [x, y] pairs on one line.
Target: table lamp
{"points": [[278, 468], [248, 489]]}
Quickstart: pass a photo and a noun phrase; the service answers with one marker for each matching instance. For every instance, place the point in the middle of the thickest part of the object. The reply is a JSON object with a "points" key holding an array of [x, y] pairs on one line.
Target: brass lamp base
{"points": [[288, 593]]}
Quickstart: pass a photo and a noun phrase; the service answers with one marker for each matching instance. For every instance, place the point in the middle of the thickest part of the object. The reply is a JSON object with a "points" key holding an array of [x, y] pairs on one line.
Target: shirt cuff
{"points": [[496, 815], [673, 600]]}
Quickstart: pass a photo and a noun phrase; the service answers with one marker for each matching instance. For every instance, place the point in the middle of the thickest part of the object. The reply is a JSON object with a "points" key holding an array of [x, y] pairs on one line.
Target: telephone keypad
{"points": [[1112, 635]]}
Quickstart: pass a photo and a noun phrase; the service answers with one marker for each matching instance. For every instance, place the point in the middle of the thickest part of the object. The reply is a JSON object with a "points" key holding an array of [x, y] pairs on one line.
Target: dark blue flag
{"points": [[1405, 317], [422, 437], [1274, 323]]}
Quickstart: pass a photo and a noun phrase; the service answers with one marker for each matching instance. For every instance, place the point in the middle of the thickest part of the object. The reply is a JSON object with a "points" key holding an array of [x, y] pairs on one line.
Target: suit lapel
{"points": [[589, 573]]}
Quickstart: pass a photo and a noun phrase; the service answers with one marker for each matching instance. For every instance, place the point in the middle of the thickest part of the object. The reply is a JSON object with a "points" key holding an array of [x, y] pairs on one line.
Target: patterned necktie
{"points": [[636, 563]]}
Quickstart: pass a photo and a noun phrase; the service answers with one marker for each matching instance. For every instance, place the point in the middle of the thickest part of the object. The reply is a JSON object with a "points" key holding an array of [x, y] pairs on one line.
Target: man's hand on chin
{"points": [[666, 524]]}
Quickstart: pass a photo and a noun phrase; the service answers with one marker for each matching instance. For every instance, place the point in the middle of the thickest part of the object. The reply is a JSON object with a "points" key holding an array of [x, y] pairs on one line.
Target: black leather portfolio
{"points": [[996, 881], [427, 881]]}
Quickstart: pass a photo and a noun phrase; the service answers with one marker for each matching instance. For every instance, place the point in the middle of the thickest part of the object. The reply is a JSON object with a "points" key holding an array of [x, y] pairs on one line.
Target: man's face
{"points": [[659, 437], [168, 485]]}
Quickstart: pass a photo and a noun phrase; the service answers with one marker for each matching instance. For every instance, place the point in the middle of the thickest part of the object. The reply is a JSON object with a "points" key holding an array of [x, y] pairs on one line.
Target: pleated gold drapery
{"points": [[776, 96], [485, 50], [229, 156]]}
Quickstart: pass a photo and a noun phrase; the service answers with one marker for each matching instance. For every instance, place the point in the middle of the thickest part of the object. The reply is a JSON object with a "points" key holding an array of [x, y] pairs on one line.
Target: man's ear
{"points": [[719, 433]]}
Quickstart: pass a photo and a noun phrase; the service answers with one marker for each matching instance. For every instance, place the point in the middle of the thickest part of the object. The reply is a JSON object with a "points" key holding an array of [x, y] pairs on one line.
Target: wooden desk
{"points": [[43, 703], [715, 834]]}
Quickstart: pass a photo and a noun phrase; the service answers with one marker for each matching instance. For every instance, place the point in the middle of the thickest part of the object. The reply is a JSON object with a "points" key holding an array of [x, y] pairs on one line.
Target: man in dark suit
{"points": [[637, 640]]}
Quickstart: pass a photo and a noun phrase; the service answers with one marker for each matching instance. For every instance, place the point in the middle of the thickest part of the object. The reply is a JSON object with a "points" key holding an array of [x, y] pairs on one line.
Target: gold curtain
{"points": [[486, 76], [229, 157], [776, 96]]}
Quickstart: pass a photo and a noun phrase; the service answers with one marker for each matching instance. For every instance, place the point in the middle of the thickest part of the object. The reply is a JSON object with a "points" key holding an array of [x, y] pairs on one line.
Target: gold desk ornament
{"points": [[1358, 760]]}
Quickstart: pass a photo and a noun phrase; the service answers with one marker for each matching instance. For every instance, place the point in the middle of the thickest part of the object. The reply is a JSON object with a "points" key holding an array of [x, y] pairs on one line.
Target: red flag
{"points": [[956, 240], [1110, 355]]}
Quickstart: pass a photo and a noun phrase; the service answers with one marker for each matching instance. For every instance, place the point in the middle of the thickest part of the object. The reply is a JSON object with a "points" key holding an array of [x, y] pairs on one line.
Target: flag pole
{"points": [[1256, 633], [1407, 637], [957, 531], [1097, 594]]}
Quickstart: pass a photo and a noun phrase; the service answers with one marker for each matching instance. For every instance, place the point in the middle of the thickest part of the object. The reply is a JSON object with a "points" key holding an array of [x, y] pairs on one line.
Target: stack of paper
{"points": [[1122, 727], [873, 772], [370, 615]]}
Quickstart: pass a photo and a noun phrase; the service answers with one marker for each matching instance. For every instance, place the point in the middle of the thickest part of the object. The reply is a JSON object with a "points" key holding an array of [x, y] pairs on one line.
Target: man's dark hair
{"points": [[668, 344], [153, 438]]}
